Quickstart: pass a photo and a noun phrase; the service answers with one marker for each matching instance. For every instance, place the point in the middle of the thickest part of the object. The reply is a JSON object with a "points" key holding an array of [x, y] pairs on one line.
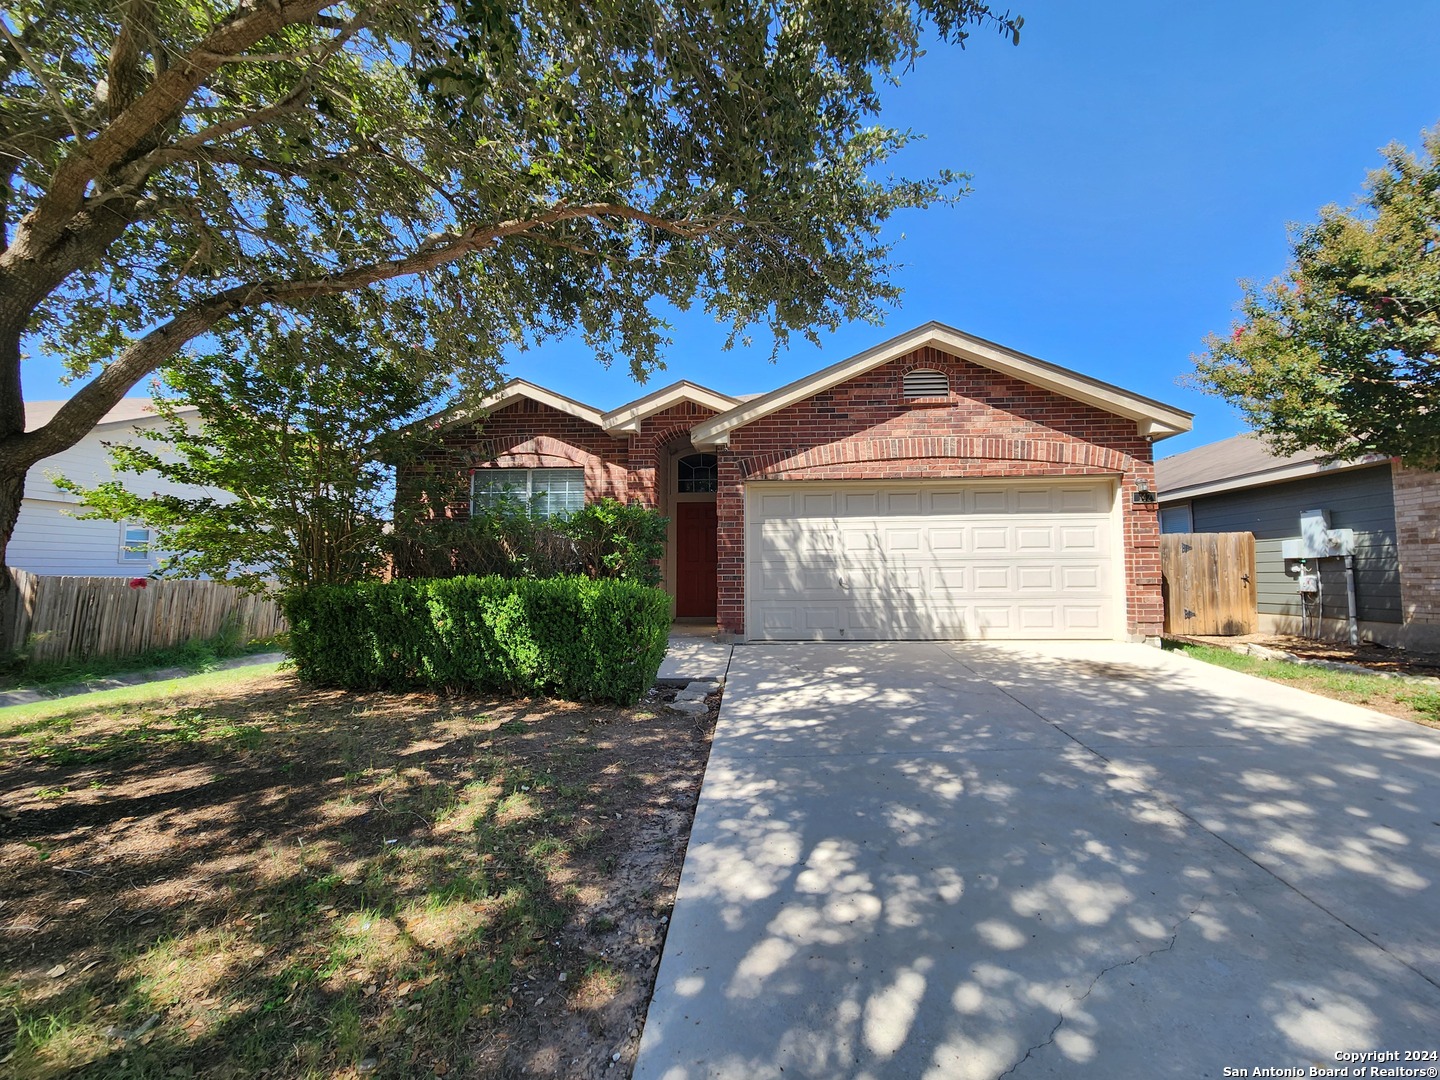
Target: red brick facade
{"points": [[989, 425], [530, 435]]}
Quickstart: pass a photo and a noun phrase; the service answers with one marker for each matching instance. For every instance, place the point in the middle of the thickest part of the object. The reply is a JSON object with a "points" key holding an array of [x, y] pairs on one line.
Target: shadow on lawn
{"points": [[304, 881]]}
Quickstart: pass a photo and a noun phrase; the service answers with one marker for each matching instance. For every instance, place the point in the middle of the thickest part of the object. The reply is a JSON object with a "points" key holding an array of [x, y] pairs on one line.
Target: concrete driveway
{"points": [[1078, 860]]}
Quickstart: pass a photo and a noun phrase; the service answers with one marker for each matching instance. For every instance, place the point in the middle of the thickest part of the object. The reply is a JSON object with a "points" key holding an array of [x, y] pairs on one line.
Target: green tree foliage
{"points": [[1342, 353], [296, 416], [513, 171], [604, 539]]}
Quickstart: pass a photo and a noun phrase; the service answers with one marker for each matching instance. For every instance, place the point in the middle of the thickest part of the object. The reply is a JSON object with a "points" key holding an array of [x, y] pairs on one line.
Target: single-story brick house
{"points": [[936, 486], [1238, 485]]}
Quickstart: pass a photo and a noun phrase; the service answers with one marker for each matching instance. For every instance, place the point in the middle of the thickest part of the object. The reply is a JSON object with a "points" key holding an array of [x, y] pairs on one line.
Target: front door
{"points": [[695, 590]]}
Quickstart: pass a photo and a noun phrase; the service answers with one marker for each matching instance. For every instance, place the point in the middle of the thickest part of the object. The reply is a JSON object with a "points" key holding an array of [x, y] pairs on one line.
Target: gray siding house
{"points": [[1237, 485]]}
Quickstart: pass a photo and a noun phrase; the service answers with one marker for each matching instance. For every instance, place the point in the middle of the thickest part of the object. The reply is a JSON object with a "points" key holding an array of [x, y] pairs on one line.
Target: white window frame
{"points": [[483, 491], [129, 552], [1177, 514]]}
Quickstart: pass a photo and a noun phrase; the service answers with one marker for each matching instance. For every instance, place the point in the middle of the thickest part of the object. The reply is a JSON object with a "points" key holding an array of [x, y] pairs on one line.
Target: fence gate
{"points": [[1209, 583]]}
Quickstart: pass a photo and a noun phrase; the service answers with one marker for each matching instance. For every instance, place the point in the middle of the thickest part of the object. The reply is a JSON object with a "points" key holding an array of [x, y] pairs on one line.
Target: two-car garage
{"points": [[898, 560]]}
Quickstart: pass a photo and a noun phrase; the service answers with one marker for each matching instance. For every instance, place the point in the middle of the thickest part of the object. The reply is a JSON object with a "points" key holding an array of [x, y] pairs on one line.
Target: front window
{"points": [[134, 543], [696, 474], [547, 492]]}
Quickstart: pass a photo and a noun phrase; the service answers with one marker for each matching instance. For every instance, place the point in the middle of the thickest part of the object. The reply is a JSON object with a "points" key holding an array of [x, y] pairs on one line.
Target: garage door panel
{"points": [[919, 560], [947, 541], [1035, 538], [1080, 538], [1081, 500], [990, 501], [994, 579], [990, 538], [1036, 579]]}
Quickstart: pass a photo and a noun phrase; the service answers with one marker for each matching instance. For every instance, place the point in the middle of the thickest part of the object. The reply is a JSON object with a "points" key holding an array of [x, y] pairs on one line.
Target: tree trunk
{"points": [[12, 490]]}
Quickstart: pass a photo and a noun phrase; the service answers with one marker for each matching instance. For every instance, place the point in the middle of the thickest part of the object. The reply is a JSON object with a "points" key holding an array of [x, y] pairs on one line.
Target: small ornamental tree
{"points": [[1341, 354], [299, 418]]}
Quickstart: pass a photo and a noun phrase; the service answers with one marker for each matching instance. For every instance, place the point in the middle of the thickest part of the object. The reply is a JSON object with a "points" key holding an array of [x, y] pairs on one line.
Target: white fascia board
{"points": [[517, 390], [627, 417], [1297, 471], [1152, 417]]}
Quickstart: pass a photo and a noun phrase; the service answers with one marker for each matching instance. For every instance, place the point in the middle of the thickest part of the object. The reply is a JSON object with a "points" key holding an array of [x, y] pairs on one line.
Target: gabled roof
{"points": [[1241, 461], [519, 390], [126, 411], [627, 417], [1152, 418]]}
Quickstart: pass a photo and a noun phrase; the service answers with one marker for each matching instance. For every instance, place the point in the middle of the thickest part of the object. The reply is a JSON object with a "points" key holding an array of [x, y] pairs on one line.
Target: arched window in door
{"points": [[696, 474]]}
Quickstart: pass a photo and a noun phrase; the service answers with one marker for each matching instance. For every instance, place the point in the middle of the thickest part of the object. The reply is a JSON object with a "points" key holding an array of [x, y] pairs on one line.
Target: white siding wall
{"points": [[48, 540]]}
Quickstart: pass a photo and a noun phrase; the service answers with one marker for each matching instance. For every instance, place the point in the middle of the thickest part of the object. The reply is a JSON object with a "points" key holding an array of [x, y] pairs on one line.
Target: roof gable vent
{"points": [[926, 383]]}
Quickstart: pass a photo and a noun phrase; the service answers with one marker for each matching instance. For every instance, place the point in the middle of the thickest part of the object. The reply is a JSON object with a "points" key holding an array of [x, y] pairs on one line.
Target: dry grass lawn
{"points": [[238, 876]]}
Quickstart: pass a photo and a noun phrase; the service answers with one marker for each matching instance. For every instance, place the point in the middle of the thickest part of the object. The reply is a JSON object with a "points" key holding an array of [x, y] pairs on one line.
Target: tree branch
{"points": [[78, 415], [37, 72], [159, 104]]}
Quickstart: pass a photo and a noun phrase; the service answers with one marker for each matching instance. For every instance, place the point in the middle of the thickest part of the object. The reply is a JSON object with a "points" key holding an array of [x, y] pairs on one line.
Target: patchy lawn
{"points": [[237, 876], [1394, 697]]}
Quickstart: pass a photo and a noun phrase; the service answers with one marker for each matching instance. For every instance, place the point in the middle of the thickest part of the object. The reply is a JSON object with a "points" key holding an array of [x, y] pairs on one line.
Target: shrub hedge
{"points": [[569, 637]]}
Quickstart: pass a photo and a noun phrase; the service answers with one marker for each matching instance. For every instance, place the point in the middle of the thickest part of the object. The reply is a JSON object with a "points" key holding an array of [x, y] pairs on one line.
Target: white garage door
{"points": [[930, 560]]}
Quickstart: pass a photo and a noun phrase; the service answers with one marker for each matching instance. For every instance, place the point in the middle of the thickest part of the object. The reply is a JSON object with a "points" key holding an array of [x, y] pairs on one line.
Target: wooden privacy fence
{"points": [[1209, 583], [103, 616]]}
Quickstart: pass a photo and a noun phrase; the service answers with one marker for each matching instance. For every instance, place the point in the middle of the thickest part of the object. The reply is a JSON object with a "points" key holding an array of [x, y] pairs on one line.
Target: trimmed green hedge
{"points": [[570, 637]]}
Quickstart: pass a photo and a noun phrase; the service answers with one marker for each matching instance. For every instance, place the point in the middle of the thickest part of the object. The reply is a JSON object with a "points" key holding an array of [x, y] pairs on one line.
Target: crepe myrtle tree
{"points": [[521, 169], [291, 446], [1341, 354]]}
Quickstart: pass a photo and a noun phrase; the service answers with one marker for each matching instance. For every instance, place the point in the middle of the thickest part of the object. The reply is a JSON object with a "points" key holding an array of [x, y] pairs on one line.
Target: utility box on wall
{"points": [[1317, 539]]}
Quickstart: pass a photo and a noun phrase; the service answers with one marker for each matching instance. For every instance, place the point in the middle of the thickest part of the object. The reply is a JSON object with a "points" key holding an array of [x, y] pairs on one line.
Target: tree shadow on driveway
{"points": [[972, 860]]}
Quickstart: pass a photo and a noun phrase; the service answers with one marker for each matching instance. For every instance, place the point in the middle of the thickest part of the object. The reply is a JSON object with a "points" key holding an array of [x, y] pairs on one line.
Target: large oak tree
{"points": [[515, 167]]}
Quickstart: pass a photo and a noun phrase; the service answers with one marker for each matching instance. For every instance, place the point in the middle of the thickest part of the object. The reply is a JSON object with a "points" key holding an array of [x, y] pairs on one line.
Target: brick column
{"points": [[1417, 537]]}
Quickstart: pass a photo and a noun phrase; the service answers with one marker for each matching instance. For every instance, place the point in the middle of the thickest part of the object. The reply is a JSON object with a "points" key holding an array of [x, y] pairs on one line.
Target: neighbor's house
{"points": [[1238, 485], [935, 486], [49, 539]]}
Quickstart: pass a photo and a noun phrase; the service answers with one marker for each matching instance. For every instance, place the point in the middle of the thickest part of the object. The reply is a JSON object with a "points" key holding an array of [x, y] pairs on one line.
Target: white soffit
{"points": [[1152, 418], [627, 417]]}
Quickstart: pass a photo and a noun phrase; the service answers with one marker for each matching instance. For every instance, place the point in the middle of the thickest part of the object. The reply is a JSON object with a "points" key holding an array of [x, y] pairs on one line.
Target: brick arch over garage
{"points": [[991, 427], [935, 456]]}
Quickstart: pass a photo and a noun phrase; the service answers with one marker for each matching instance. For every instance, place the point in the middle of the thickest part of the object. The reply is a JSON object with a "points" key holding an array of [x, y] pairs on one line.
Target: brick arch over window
{"points": [[658, 435]]}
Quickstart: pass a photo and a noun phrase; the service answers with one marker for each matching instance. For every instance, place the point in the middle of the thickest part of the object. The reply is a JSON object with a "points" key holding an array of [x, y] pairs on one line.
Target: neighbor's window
{"points": [[696, 473], [547, 492], [924, 382], [134, 543]]}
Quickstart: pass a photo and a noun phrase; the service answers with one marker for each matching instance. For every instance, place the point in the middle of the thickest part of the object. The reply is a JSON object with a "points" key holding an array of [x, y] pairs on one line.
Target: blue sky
{"points": [[1130, 160]]}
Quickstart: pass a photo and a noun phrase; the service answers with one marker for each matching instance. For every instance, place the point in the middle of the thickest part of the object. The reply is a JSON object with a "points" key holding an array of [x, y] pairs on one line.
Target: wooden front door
{"points": [[695, 590]]}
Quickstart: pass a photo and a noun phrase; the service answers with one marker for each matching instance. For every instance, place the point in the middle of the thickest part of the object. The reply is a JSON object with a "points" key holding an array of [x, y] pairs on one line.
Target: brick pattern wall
{"points": [[657, 435], [988, 426], [530, 435], [1417, 536]]}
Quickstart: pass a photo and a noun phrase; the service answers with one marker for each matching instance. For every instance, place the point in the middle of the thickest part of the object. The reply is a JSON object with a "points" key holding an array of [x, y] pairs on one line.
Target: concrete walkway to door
{"points": [[1078, 860]]}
